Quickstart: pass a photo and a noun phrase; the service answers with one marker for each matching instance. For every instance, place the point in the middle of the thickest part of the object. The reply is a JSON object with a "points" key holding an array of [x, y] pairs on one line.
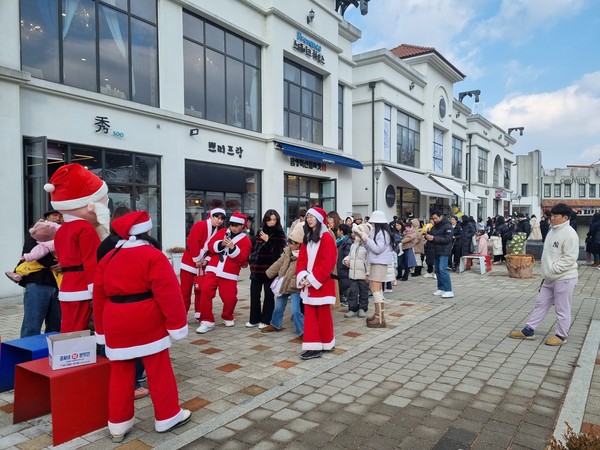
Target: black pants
{"points": [[261, 313], [358, 295]]}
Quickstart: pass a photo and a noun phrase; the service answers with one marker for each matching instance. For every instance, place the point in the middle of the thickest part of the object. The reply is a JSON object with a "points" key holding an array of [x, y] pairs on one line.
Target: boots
{"points": [[377, 298], [377, 320], [417, 272]]}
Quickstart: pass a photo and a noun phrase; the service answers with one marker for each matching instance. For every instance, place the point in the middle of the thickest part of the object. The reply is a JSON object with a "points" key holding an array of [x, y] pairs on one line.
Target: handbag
{"points": [[276, 286], [254, 253]]}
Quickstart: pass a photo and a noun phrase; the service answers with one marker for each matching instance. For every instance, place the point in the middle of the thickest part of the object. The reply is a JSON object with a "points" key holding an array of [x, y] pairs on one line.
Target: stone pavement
{"points": [[443, 375]]}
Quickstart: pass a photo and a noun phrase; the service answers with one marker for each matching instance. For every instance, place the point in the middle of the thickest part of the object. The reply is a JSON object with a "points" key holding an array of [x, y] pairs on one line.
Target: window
{"points": [[302, 103], [438, 150], [303, 192], [221, 75], [581, 190], [592, 190], [100, 46], [557, 190], [524, 190], [567, 190], [387, 133], [482, 166], [407, 202], [547, 189], [457, 146], [482, 208], [408, 140], [340, 117], [507, 166]]}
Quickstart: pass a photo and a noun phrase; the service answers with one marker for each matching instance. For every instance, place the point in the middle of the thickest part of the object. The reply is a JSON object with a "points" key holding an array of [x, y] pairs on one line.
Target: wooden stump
{"points": [[520, 266]]}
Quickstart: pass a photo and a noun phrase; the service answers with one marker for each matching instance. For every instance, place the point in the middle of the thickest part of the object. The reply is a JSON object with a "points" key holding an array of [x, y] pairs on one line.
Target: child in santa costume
{"points": [[316, 261], [82, 198], [194, 259], [137, 310], [228, 250]]}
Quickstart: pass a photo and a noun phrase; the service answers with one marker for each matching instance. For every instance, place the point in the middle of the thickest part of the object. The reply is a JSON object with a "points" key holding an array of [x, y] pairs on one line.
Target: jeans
{"points": [[40, 304], [441, 271], [297, 316]]}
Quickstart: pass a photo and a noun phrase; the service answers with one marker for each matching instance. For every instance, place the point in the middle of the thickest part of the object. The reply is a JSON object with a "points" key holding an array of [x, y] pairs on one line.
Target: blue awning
{"points": [[322, 157]]}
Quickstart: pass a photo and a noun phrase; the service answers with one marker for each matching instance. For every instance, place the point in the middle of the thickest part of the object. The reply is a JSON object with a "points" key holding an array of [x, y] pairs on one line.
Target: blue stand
{"points": [[18, 351]]}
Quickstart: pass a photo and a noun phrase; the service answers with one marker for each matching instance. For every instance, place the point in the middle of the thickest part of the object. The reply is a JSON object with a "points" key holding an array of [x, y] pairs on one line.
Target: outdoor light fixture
{"points": [[376, 174], [457, 114], [519, 129], [475, 93], [412, 86], [194, 131], [310, 17]]}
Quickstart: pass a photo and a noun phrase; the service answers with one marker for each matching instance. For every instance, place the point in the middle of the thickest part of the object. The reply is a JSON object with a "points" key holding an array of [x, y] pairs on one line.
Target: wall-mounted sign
{"points": [[308, 47], [573, 179], [102, 125], [213, 147], [500, 193], [295, 162], [390, 195]]}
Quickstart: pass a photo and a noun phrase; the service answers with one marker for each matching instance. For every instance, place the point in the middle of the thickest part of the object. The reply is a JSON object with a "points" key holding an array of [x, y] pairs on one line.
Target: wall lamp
{"points": [[411, 86], [310, 17], [457, 115], [194, 131], [519, 129], [475, 93]]}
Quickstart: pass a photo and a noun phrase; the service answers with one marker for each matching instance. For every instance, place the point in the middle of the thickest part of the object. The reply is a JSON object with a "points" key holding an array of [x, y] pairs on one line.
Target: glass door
{"points": [[36, 175]]}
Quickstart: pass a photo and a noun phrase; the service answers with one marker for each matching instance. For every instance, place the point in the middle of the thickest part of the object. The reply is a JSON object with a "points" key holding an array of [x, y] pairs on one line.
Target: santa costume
{"points": [[137, 310], [73, 187], [223, 270], [316, 261], [192, 272]]}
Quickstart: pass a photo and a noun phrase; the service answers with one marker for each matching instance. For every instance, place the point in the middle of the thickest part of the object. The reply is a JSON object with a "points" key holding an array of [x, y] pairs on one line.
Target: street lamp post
{"points": [[464, 188], [519, 198], [377, 174]]}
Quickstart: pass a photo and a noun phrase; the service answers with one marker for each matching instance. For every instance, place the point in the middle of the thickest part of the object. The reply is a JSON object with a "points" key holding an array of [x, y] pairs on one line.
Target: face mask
{"points": [[295, 252]]}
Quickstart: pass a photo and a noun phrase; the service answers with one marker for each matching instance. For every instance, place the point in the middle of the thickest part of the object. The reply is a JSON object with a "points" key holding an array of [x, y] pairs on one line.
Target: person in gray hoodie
{"points": [[560, 276]]}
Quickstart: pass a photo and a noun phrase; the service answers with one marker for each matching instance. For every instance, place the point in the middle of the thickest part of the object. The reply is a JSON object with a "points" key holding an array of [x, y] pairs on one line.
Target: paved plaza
{"points": [[443, 375]]}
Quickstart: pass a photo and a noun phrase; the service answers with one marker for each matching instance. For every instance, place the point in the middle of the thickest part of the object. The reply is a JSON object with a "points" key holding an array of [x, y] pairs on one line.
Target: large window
{"points": [[557, 190], [302, 103], [457, 151], [102, 46], [221, 74], [567, 190], [387, 133], [581, 190], [408, 140], [407, 202], [507, 166], [547, 189], [340, 117], [438, 150], [592, 190], [300, 193], [482, 163], [524, 189]]}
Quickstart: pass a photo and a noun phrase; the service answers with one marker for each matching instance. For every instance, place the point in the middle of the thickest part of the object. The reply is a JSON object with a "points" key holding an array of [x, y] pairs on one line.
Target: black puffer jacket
{"points": [[442, 237]]}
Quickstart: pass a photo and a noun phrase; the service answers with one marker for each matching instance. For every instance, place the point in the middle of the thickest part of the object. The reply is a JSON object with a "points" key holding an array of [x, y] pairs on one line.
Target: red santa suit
{"points": [[222, 272], [76, 243], [315, 264], [195, 253], [137, 310]]}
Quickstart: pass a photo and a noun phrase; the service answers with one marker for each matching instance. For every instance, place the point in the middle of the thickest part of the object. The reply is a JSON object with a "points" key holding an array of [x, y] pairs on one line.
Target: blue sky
{"points": [[536, 62]]}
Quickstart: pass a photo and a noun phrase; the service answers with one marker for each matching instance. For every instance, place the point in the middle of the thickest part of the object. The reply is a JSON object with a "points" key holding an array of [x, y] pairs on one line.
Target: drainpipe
{"points": [[468, 164], [372, 87]]}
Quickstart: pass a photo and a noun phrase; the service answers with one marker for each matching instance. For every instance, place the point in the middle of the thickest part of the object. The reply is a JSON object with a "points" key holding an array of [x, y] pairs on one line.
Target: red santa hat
{"points": [[132, 224], [217, 211], [319, 213], [73, 186], [238, 217]]}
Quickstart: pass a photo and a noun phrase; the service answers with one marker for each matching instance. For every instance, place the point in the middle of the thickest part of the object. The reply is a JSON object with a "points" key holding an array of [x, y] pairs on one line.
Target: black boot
{"points": [[417, 271]]}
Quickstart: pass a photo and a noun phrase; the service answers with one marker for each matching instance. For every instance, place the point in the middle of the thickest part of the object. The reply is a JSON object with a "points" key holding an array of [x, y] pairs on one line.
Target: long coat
{"points": [[316, 262]]}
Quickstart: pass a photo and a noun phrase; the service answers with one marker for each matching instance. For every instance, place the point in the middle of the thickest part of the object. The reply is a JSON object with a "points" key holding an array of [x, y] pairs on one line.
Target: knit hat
{"points": [[378, 217], [73, 186], [319, 213], [297, 234], [238, 217], [132, 224], [217, 211], [44, 230], [358, 216]]}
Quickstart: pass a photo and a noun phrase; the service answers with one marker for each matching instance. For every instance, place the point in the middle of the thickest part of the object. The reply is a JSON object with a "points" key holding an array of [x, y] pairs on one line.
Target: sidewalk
{"points": [[443, 375]]}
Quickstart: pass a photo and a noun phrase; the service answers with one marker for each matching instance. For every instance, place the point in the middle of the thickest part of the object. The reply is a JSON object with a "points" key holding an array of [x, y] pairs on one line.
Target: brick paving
{"points": [[443, 375]]}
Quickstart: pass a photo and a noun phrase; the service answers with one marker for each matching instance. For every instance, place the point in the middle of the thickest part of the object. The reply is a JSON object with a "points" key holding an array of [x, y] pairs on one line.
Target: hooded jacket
{"points": [[561, 250]]}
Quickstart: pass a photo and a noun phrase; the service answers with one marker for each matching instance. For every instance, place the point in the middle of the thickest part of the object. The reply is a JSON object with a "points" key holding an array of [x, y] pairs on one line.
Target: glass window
{"points": [[79, 44], [340, 116], [303, 103], [457, 146], [144, 63], [524, 189], [40, 40], [438, 150], [592, 190], [482, 166], [581, 190], [557, 190], [387, 133], [221, 75], [408, 140], [547, 189], [507, 167], [567, 190], [303, 192], [407, 202]]}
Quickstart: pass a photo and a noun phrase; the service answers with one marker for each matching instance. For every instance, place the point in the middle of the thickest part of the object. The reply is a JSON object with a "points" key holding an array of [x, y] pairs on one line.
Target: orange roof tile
{"points": [[404, 51]]}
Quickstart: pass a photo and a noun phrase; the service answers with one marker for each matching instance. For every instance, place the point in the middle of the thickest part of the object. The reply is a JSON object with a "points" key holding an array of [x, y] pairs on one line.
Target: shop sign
{"points": [[213, 147], [390, 196], [295, 162], [102, 125], [500, 193], [573, 180], [308, 47]]}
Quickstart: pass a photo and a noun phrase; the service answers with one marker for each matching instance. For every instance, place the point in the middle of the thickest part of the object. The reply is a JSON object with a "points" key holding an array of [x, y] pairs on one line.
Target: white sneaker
{"points": [[448, 294], [251, 325], [434, 276], [205, 327], [428, 275], [438, 292], [262, 325], [388, 290], [229, 323]]}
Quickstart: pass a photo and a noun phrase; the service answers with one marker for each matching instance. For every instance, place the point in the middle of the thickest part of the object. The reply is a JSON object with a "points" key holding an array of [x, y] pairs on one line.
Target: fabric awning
{"points": [[457, 188], [422, 183], [322, 157]]}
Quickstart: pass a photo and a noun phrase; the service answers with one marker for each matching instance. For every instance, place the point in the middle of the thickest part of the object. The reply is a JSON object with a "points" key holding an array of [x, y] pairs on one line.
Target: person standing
{"points": [[594, 238], [468, 233], [545, 226], [138, 308], [457, 251], [358, 272], [193, 259], [441, 237], [408, 260], [536, 232], [560, 276], [316, 261]]}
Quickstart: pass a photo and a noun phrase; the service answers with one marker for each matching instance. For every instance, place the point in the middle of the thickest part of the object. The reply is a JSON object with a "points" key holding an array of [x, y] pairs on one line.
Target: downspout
{"points": [[470, 136], [372, 87]]}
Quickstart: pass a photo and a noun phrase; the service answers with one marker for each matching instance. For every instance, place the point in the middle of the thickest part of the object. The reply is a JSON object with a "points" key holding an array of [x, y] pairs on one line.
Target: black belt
{"points": [[73, 269], [132, 298]]}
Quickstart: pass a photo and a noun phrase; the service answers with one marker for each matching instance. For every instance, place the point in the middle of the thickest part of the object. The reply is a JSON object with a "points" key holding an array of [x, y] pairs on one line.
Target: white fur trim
{"points": [[217, 211], [100, 340], [313, 281], [299, 278], [326, 300], [139, 228], [76, 203], [180, 333], [196, 315], [120, 354], [189, 268], [313, 212], [126, 243], [318, 345], [221, 273], [76, 296], [239, 220], [117, 429], [91, 288], [164, 425], [235, 252]]}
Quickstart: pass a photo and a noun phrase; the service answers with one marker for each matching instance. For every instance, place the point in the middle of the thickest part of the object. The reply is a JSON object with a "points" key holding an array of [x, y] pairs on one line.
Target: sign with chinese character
{"points": [[295, 162], [310, 48], [102, 125], [224, 149]]}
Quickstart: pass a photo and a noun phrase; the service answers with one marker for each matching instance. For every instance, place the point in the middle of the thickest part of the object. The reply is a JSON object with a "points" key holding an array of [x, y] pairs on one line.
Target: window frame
{"points": [[408, 140], [482, 160], [457, 155]]}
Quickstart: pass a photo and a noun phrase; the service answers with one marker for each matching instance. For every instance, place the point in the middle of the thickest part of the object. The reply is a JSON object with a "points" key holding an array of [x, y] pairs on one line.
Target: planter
{"points": [[520, 266], [176, 261]]}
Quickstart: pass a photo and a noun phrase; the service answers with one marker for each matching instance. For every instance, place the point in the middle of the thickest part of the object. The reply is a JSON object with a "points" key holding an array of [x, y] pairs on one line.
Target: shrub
{"points": [[575, 441]]}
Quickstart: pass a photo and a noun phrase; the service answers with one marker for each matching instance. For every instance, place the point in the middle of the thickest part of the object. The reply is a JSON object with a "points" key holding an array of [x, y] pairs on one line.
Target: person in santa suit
{"points": [[316, 261], [193, 260], [82, 198], [138, 308], [228, 250]]}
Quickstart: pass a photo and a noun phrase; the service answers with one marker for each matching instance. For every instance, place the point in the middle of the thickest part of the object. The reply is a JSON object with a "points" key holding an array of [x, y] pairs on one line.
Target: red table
{"points": [[76, 397]]}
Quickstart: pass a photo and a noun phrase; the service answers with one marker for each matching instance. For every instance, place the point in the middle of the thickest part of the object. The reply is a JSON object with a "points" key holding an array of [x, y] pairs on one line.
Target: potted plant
{"points": [[176, 253], [518, 263]]}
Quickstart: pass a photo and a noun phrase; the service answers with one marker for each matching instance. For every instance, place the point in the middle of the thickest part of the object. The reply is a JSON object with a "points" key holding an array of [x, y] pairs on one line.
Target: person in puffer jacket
{"points": [[358, 273]]}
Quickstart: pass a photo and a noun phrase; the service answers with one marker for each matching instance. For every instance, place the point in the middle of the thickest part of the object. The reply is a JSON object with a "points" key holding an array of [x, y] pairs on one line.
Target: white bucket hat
{"points": [[378, 217]]}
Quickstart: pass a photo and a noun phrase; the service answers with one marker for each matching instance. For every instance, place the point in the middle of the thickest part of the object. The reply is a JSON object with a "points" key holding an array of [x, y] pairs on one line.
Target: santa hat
{"points": [[73, 186], [238, 217], [132, 224], [216, 211], [319, 213]]}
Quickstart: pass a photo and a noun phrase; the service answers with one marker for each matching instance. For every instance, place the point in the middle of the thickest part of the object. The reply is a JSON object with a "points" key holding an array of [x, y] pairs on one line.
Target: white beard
{"points": [[103, 218]]}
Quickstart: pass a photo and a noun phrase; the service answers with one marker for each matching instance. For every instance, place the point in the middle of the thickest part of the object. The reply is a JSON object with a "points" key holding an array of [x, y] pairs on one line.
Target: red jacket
{"points": [[316, 262], [227, 263], [76, 242], [196, 248], [140, 328]]}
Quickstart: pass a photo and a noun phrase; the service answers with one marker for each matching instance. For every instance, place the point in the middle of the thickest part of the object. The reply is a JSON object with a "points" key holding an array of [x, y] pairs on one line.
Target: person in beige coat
{"points": [[284, 286]]}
